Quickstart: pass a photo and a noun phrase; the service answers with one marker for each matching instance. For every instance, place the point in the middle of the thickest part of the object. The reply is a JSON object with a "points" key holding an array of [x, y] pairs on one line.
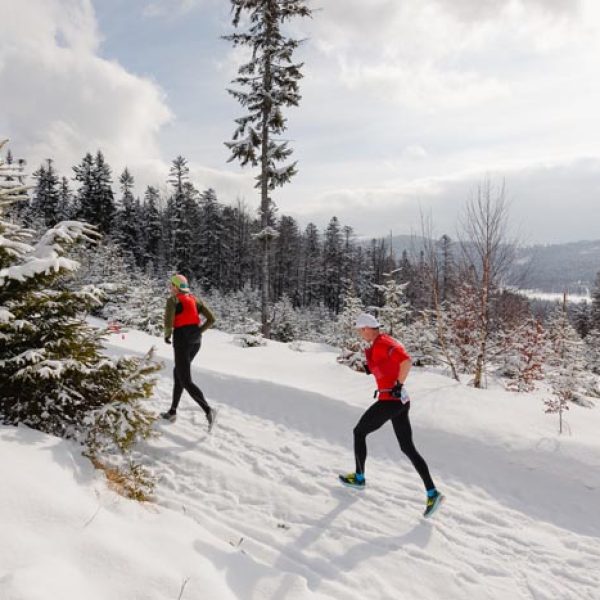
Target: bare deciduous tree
{"points": [[488, 254]]}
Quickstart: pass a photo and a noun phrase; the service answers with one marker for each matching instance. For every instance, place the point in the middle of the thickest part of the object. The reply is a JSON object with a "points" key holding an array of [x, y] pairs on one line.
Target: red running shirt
{"points": [[384, 357]]}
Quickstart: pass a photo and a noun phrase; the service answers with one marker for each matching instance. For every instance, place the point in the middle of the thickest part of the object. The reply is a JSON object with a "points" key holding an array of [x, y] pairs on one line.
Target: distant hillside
{"points": [[557, 267], [548, 268]]}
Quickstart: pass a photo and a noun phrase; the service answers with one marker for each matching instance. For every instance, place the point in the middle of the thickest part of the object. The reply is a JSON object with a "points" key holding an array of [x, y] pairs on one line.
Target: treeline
{"points": [[190, 231]]}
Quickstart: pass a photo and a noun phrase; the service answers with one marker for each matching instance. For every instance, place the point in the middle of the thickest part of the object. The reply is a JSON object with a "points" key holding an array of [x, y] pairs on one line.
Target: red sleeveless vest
{"points": [[189, 315]]}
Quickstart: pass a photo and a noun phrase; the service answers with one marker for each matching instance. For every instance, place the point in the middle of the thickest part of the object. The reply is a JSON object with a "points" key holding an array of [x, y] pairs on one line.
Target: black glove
{"points": [[396, 391], [367, 370], [167, 340]]}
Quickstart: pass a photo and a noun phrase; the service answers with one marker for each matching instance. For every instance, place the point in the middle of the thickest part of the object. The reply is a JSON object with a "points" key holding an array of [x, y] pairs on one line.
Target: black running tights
{"points": [[182, 375], [375, 416]]}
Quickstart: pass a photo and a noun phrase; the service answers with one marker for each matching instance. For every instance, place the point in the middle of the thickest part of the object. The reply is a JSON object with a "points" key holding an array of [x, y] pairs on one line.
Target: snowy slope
{"points": [[254, 510]]}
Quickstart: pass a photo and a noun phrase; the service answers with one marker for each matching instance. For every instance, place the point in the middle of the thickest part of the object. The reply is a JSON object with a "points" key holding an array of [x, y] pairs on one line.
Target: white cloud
{"points": [[60, 99], [433, 55], [162, 8]]}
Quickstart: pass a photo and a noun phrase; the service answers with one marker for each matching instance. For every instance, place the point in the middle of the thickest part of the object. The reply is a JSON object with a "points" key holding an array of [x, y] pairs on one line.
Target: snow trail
{"points": [[265, 481]]}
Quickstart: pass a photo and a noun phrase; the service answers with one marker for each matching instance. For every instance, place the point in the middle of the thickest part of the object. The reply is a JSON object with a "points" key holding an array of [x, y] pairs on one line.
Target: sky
{"points": [[407, 105]]}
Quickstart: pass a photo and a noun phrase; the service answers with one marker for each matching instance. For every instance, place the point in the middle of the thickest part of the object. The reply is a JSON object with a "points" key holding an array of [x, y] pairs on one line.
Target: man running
{"points": [[182, 320], [389, 362]]}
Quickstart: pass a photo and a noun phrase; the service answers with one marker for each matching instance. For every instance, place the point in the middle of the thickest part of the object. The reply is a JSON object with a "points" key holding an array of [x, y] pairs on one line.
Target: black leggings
{"points": [[373, 419], [182, 374]]}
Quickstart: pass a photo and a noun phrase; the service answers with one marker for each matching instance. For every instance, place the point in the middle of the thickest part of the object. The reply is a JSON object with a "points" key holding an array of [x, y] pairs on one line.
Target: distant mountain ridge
{"points": [[551, 268], [559, 267]]}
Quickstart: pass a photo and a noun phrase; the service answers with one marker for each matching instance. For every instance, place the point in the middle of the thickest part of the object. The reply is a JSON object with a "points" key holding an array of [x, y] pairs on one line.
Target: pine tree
{"points": [[595, 310], [12, 187], [286, 263], [104, 201], [211, 250], [566, 361], [284, 320], [332, 266], [420, 337], [84, 201], [270, 82], [311, 268], [53, 374], [238, 247], [378, 259], [592, 344], [462, 317], [65, 207], [46, 195], [582, 319], [95, 200], [152, 230], [345, 336], [447, 263], [127, 232], [523, 351], [394, 315]]}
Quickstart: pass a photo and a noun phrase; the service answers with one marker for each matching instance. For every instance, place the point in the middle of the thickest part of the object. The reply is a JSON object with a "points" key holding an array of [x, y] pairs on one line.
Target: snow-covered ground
{"points": [[255, 510]]}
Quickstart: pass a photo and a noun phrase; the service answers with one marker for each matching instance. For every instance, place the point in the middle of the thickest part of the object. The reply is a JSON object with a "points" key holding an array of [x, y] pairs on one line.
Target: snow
{"points": [[254, 510]]}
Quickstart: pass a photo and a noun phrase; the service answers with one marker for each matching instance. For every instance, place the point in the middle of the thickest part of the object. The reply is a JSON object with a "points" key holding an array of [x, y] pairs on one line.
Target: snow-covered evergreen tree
{"points": [[268, 82], [127, 231], [95, 200], [592, 351], [581, 318], [311, 267], [345, 336], [421, 340], [595, 308], [394, 315], [45, 204], [523, 351], [566, 359], [52, 371], [461, 330], [181, 214], [152, 230], [210, 254], [332, 266], [53, 374], [65, 208], [284, 322]]}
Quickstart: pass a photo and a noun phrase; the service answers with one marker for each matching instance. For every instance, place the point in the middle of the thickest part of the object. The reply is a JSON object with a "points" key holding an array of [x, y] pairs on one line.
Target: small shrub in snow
{"points": [[250, 336]]}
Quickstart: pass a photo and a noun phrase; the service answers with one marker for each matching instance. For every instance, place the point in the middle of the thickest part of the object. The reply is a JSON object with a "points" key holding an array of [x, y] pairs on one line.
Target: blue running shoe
{"points": [[433, 503], [353, 480]]}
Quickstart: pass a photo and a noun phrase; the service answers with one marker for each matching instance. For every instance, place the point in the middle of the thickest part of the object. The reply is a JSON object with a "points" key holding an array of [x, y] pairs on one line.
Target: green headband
{"points": [[180, 282]]}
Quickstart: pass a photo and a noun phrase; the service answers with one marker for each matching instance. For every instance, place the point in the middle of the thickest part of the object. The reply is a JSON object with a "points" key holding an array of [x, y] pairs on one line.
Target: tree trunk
{"points": [[264, 199]]}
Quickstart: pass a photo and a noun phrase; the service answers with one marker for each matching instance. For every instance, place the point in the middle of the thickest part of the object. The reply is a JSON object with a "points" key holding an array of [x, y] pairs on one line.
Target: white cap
{"points": [[367, 320]]}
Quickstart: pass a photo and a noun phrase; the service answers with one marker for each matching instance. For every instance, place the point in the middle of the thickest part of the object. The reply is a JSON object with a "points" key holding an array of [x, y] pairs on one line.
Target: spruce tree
{"points": [[65, 207], [332, 266], [151, 230], [312, 272], [103, 199], [268, 82], [84, 199], [595, 310], [394, 315], [181, 214], [286, 263], [210, 253], [53, 374], [567, 373], [126, 231], [345, 336], [46, 195], [95, 202]]}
